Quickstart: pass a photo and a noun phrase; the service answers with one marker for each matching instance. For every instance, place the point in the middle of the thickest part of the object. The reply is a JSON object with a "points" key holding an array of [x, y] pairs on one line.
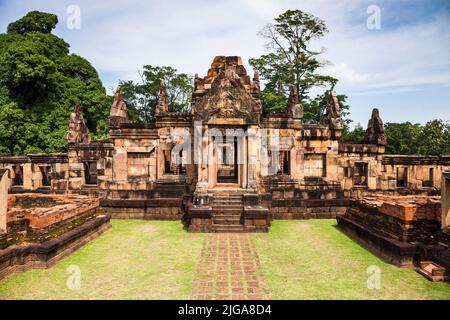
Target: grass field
{"points": [[132, 260], [156, 260], [314, 260]]}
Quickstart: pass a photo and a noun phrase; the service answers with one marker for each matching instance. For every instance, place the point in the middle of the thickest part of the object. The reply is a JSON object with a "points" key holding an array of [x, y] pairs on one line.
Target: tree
{"points": [[402, 138], [142, 97], [434, 138], [34, 21], [314, 110], [291, 60], [356, 135], [40, 82]]}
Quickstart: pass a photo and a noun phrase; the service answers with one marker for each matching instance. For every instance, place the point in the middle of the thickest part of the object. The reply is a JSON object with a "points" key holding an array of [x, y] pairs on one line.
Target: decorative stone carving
{"points": [[78, 131], [227, 92], [375, 133], [119, 107], [163, 99], [295, 109], [332, 116]]}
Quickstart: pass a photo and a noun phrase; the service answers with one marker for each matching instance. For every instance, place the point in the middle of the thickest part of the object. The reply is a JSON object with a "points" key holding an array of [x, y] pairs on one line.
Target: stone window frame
{"points": [[366, 170], [45, 176], [13, 180], [429, 183], [405, 177]]}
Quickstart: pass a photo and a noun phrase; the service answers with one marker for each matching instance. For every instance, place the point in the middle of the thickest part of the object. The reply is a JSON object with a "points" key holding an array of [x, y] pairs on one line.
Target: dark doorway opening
{"points": [[227, 166], [402, 177], [18, 176], [360, 174], [285, 163], [46, 172], [90, 172]]}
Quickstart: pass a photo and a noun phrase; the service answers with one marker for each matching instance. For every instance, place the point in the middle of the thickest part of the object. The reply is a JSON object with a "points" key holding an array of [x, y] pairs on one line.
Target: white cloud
{"points": [[119, 37]]}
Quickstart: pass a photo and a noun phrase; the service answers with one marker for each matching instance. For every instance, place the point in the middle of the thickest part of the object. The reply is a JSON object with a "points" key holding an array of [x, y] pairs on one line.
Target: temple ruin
{"points": [[226, 167]]}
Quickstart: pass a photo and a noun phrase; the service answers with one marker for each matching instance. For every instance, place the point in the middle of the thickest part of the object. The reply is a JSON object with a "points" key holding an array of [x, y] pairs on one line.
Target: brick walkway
{"points": [[229, 268]]}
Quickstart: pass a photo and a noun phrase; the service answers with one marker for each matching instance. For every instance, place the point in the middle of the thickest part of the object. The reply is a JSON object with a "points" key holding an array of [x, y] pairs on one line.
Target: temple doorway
{"points": [[227, 164]]}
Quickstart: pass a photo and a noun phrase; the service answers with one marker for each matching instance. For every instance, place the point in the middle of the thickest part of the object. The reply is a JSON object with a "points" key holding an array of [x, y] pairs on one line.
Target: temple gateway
{"points": [[223, 166]]}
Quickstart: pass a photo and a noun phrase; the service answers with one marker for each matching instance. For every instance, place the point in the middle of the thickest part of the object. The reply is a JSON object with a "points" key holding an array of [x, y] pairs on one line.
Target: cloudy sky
{"points": [[403, 68]]}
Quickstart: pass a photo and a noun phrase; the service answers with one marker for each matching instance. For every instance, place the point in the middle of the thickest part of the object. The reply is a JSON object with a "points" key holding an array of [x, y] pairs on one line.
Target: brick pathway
{"points": [[229, 268]]}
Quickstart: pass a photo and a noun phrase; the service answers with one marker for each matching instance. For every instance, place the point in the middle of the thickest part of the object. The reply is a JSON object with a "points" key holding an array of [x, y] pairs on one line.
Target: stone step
{"points": [[227, 217], [227, 202], [227, 222], [227, 199], [227, 209], [227, 228]]}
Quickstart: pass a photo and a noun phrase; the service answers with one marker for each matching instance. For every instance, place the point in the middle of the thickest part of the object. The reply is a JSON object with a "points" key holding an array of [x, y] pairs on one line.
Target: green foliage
{"points": [[142, 98], [434, 138], [34, 21], [40, 82], [315, 108], [356, 135], [291, 61], [402, 137]]}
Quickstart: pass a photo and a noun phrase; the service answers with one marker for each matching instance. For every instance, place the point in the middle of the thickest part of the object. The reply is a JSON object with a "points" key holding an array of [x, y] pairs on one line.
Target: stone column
{"points": [[252, 156], [445, 200], [5, 183]]}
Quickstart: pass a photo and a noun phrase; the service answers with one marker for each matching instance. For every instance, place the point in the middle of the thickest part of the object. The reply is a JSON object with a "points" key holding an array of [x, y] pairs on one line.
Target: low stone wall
{"points": [[152, 209], [288, 209], [394, 228], [17, 258], [42, 229]]}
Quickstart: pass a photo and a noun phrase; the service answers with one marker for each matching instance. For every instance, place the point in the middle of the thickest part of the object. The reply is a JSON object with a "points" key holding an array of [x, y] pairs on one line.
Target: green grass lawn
{"points": [[132, 260], [314, 260], [156, 260]]}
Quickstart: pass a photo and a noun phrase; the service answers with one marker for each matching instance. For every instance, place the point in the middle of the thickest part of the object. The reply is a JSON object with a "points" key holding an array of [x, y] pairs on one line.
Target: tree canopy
{"points": [[40, 82], [433, 138], [292, 61], [142, 97]]}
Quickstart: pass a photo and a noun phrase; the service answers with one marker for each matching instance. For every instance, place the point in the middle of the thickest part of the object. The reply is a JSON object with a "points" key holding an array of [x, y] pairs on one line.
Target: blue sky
{"points": [[403, 68]]}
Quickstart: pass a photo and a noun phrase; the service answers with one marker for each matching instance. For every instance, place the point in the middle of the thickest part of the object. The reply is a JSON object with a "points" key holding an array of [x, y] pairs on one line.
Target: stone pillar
{"points": [[252, 156], [5, 183], [445, 200]]}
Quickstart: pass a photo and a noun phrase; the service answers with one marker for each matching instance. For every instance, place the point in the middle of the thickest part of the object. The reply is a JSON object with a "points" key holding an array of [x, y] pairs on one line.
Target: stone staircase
{"points": [[227, 211]]}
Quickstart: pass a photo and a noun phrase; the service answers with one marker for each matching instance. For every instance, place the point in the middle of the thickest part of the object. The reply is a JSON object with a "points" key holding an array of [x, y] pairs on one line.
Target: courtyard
{"points": [[137, 259]]}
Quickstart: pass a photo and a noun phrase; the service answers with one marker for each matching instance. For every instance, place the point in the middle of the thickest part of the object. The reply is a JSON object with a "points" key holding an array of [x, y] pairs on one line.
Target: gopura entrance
{"points": [[226, 111]]}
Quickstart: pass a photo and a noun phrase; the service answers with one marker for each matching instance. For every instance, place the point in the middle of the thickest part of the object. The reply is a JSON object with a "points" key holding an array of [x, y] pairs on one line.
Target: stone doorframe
{"points": [[207, 155]]}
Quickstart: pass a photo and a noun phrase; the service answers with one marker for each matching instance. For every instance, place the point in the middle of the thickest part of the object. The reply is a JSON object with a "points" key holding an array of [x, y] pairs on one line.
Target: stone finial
{"points": [[295, 109], [332, 116], [375, 133], [256, 89], [163, 99], [78, 131], [119, 107]]}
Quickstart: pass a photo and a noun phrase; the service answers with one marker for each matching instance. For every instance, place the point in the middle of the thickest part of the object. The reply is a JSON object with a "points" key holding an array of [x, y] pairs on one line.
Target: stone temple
{"points": [[224, 167]]}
